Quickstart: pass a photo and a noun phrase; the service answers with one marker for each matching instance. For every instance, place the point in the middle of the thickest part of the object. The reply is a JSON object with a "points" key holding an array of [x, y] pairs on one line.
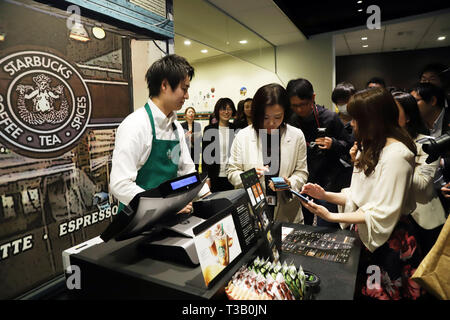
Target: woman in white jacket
{"points": [[429, 213], [273, 148]]}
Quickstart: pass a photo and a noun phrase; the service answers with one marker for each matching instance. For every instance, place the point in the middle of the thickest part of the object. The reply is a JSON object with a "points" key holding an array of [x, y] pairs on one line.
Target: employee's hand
{"points": [[314, 190], [318, 210], [272, 186], [324, 143], [354, 151], [260, 171], [186, 210], [446, 190]]}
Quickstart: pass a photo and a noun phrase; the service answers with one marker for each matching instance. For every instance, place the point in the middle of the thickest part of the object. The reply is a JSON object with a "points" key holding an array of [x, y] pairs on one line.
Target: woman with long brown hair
{"points": [[379, 199]]}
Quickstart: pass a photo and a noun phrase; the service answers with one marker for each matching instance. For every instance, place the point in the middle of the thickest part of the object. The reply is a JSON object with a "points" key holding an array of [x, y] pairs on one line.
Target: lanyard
{"points": [[316, 115]]}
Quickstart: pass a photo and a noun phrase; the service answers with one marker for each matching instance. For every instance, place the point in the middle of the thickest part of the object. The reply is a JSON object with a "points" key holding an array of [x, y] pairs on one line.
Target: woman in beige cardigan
{"points": [[273, 148]]}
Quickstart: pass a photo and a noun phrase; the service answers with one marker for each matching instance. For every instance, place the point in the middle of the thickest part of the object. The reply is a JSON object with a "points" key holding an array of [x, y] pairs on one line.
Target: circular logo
{"points": [[45, 105]]}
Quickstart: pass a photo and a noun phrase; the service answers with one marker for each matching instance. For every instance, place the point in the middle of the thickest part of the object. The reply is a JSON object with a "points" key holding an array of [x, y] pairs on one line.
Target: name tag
{"points": [[271, 200]]}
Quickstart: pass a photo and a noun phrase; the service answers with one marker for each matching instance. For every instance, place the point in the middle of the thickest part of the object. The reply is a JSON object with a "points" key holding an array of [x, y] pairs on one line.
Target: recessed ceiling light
{"points": [[364, 38], [359, 10], [365, 46], [187, 42], [441, 38], [204, 51], [243, 41], [359, 2]]}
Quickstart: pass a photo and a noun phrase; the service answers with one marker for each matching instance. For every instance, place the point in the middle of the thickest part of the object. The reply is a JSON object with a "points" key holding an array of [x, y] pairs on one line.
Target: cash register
{"points": [[154, 213]]}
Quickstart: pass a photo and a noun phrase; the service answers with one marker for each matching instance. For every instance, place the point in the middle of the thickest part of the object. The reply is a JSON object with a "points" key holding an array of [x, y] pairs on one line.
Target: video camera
{"points": [[436, 147]]}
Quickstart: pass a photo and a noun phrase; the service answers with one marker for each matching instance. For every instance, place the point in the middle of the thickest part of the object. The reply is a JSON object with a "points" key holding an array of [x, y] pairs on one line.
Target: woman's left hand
{"points": [[318, 210]]}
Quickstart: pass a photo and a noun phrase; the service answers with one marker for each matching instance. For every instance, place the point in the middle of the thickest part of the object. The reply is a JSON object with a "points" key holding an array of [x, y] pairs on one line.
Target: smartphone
{"points": [[279, 183], [301, 196], [321, 132]]}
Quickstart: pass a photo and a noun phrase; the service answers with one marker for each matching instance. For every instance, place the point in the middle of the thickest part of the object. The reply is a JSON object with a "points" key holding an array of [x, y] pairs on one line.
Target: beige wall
{"points": [[143, 54], [227, 75], [311, 59]]}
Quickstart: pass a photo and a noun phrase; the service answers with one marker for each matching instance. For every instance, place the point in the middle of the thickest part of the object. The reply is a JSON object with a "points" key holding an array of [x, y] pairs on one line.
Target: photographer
{"points": [[326, 138], [431, 100]]}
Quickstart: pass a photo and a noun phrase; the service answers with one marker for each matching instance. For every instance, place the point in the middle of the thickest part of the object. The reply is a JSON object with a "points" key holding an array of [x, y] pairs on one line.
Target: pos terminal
{"points": [[154, 211]]}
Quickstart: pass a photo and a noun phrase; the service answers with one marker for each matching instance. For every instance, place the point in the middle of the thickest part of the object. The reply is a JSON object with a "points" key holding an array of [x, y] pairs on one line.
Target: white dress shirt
{"points": [[133, 146], [383, 196]]}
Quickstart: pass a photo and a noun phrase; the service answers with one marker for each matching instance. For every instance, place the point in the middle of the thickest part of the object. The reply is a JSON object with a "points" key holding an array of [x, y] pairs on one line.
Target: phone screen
{"points": [[301, 196], [278, 180]]}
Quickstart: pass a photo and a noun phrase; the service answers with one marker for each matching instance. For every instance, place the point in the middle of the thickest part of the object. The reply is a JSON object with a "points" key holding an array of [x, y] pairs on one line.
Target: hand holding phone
{"points": [[304, 197], [279, 183]]}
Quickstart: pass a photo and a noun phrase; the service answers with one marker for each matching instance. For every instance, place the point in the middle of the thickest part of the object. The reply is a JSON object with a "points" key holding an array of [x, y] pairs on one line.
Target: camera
{"points": [[436, 148], [321, 132]]}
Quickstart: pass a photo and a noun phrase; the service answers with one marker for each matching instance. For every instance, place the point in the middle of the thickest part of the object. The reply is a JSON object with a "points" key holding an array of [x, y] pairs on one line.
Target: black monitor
{"points": [[154, 206]]}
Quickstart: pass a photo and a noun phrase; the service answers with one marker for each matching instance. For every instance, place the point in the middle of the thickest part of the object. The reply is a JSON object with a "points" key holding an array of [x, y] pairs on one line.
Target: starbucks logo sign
{"points": [[45, 105]]}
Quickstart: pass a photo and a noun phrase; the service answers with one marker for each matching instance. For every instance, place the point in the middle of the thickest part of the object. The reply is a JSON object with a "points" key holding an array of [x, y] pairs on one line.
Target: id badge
{"points": [[271, 200]]}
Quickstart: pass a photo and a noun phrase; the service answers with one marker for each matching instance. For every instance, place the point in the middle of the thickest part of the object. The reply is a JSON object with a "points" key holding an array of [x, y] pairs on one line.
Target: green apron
{"points": [[159, 166]]}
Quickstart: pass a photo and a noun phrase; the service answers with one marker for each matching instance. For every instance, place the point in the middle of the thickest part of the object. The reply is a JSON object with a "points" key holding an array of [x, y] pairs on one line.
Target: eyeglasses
{"points": [[301, 105]]}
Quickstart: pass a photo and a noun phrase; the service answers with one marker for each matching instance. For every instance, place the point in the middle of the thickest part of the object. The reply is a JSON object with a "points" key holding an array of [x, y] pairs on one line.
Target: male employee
{"points": [[326, 139], [150, 147]]}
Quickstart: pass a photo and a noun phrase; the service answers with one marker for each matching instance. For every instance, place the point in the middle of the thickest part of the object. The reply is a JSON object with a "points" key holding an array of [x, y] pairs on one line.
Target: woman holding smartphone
{"points": [[380, 198], [274, 149]]}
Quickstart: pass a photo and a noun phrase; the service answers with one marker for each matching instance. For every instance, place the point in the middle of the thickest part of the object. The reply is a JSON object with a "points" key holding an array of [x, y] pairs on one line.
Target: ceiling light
{"points": [[364, 38], [243, 41], [2, 36], [441, 38], [359, 10], [98, 32], [78, 32], [204, 51], [359, 2], [187, 42], [365, 46]]}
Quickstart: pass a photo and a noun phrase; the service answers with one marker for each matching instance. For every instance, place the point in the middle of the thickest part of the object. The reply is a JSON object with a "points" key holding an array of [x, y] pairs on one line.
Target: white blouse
{"points": [[383, 196]]}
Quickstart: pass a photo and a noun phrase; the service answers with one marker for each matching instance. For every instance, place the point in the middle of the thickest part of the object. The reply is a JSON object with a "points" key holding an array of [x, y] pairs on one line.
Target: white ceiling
{"points": [[419, 33], [248, 19]]}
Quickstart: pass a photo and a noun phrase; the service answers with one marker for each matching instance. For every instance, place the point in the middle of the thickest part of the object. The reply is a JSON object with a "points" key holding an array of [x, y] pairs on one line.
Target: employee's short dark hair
{"points": [[428, 90], [222, 104], [172, 67], [376, 80], [269, 95], [342, 92], [301, 88]]}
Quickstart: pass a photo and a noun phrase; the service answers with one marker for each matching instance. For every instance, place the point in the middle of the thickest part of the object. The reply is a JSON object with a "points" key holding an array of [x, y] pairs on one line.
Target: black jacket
{"points": [[210, 145], [196, 140], [324, 166]]}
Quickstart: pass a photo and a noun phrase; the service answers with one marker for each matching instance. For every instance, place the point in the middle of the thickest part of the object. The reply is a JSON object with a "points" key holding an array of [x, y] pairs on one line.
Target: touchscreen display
{"points": [[217, 247], [184, 182]]}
